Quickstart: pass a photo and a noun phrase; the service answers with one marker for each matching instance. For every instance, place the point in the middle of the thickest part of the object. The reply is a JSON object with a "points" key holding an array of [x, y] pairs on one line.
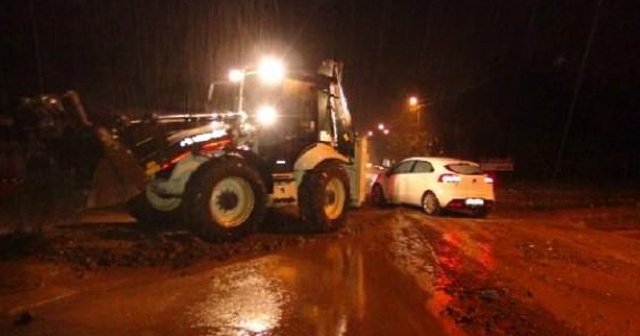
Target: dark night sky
{"points": [[497, 74]]}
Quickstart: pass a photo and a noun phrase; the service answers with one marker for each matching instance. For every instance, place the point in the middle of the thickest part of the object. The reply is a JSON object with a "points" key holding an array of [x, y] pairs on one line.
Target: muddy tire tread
{"points": [[196, 200], [311, 197]]}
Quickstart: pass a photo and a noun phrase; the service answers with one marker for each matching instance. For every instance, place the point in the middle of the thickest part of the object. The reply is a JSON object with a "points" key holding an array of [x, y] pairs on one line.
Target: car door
{"points": [[418, 181], [396, 185]]}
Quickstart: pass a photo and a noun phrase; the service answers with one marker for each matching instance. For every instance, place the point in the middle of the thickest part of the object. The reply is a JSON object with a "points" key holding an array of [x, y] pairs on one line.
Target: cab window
{"points": [[464, 168], [423, 167], [403, 167]]}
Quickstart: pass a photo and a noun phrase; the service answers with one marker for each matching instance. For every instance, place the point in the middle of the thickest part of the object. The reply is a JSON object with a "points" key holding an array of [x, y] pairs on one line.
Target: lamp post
{"points": [[415, 105]]}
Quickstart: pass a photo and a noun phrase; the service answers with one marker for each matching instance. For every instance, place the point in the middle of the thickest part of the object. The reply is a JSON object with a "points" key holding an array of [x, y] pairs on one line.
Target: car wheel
{"points": [[226, 200], [377, 196], [430, 204], [324, 197]]}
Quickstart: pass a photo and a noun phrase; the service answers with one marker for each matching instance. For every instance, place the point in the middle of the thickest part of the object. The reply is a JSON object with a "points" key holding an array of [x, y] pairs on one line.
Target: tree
{"points": [[405, 138]]}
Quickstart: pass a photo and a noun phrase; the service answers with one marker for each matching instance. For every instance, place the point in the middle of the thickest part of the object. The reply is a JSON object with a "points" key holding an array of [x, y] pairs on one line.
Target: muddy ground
{"points": [[563, 262]]}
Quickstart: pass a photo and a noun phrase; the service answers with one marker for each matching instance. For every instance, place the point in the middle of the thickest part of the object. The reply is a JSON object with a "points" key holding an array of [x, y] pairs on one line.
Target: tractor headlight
{"points": [[236, 75], [271, 71], [266, 115]]}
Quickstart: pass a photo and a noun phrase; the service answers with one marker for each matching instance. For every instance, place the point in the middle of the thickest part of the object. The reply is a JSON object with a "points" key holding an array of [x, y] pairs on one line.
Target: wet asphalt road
{"points": [[401, 273]]}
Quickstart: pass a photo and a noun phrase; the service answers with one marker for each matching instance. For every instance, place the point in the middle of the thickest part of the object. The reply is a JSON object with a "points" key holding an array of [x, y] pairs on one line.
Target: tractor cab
{"points": [[286, 119]]}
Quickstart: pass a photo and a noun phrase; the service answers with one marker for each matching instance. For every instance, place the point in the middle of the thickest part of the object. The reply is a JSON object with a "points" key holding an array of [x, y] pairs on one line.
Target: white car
{"points": [[436, 183]]}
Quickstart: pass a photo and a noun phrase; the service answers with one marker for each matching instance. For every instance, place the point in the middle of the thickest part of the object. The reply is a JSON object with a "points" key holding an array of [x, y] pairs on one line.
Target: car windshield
{"points": [[464, 168]]}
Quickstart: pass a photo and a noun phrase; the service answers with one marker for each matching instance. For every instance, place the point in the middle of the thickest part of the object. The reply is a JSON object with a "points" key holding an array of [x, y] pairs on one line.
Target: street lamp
{"points": [[236, 75], [415, 105], [381, 126]]}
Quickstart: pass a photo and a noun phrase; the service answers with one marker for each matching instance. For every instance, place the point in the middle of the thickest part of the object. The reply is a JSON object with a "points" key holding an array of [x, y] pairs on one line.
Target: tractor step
{"points": [[284, 189]]}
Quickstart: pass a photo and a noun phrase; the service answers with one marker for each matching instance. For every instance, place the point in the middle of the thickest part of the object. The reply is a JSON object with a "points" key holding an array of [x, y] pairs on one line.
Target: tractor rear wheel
{"points": [[225, 200], [324, 197]]}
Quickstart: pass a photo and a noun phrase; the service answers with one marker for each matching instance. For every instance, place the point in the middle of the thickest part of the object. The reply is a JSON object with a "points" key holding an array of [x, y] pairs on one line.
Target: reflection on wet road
{"points": [[239, 301], [386, 281], [403, 273], [334, 288]]}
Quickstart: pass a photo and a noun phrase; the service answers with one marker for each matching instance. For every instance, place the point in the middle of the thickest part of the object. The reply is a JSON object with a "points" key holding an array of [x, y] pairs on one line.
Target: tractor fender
{"points": [[315, 154], [256, 162], [166, 194], [312, 156], [176, 183]]}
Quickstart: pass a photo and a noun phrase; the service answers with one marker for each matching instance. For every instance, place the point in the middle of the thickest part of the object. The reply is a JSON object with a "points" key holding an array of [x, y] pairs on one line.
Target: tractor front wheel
{"points": [[226, 200], [324, 197]]}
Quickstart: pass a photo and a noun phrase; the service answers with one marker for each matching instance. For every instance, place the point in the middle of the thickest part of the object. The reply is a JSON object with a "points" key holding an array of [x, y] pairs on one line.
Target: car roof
{"points": [[440, 160]]}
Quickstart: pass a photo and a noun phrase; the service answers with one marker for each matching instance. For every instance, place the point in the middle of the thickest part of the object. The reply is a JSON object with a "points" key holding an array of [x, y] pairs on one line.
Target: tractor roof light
{"points": [[266, 115], [236, 75], [271, 71]]}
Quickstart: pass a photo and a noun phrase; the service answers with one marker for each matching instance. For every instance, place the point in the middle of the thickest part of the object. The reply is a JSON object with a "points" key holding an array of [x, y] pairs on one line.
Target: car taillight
{"points": [[488, 180], [449, 178]]}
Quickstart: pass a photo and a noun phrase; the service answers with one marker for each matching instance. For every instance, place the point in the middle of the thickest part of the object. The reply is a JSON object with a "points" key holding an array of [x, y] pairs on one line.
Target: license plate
{"points": [[474, 202]]}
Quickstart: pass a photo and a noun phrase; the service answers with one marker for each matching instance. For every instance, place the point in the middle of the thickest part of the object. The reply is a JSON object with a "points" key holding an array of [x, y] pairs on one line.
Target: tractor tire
{"points": [[323, 197], [149, 218], [225, 200]]}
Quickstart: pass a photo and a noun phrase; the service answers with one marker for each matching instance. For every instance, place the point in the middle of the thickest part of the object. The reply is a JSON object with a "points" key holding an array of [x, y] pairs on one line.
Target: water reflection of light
{"points": [[240, 301], [256, 324], [413, 251], [478, 251]]}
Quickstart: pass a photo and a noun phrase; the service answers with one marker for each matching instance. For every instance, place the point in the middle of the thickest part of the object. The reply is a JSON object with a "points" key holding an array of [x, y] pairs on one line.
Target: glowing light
{"points": [[386, 132], [257, 324], [239, 301], [271, 71], [370, 133], [202, 137], [413, 101], [266, 115], [449, 178], [381, 126], [236, 75]]}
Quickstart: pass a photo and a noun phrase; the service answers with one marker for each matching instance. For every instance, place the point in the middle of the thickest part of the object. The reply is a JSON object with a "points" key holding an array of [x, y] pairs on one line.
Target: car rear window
{"points": [[464, 168]]}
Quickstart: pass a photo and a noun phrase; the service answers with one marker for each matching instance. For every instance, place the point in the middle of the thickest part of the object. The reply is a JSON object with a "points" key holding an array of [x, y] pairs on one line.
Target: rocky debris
{"points": [[492, 310], [23, 319], [489, 295], [87, 248], [20, 244], [154, 250], [542, 197], [479, 301]]}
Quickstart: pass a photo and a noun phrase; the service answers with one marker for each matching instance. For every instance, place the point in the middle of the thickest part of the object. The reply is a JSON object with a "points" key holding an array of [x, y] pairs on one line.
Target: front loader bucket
{"points": [[56, 130], [118, 176]]}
